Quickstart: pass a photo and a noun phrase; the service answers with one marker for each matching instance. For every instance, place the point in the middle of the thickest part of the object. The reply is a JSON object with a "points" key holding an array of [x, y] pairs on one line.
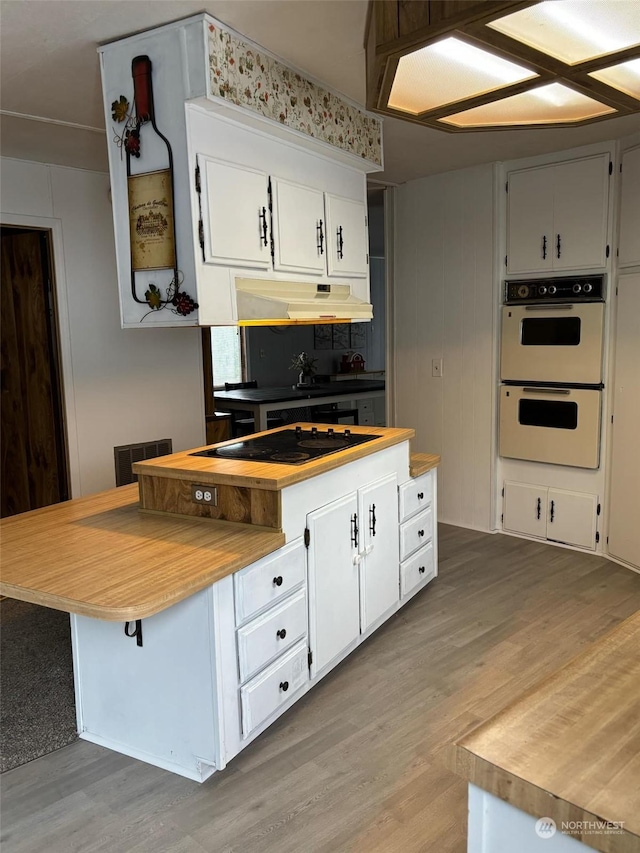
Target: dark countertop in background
{"points": [[288, 392]]}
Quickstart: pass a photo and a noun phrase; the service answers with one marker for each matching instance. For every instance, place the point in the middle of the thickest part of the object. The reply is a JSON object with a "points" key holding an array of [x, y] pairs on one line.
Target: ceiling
{"points": [[49, 71]]}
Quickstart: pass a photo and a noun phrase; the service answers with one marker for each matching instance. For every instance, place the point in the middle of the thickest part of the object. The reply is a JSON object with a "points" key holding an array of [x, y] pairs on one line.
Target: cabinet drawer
{"points": [[268, 580], [417, 570], [365, 405], [266, 692], [264, 638], [415, 533], [415, 494]]}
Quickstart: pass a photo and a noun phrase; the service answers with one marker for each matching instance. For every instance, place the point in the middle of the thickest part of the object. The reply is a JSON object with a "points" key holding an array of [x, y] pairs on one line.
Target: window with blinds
{"points": [[226, 355]]}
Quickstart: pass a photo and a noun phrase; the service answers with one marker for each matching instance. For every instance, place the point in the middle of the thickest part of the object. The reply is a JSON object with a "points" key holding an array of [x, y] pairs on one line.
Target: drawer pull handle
{"points": [[420, 532], [281, 634], [421, 569], [420, 495], [277, 581], [284, 686]]}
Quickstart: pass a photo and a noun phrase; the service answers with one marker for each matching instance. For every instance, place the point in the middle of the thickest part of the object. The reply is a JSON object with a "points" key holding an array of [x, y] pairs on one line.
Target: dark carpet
{"points": [[37, 703]]}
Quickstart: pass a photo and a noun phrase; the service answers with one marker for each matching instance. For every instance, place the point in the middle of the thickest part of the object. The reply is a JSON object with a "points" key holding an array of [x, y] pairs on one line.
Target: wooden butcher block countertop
{"points": [[569, 749], [100, 556], [420, 463], [267, 475]]}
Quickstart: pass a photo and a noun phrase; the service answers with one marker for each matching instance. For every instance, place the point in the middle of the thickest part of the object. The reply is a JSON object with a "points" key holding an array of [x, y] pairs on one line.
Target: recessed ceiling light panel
{"points": [[575, 30], [625, 76], [550, 104], [448, 71]]}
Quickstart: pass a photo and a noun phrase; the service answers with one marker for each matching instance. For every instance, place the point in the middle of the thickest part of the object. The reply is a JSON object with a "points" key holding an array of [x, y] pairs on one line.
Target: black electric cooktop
{"points": [[289, 446]]}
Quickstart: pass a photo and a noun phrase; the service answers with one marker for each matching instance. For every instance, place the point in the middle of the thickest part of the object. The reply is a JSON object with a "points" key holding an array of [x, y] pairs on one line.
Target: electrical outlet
{"points": [[207, 495], [436, 367]]}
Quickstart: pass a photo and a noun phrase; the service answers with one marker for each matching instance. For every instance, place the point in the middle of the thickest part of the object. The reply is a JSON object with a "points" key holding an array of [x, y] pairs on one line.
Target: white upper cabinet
{"points": [[222, 156], [629, 245], [299, 229], [347, 237], [530, 224], [235, 214], [557, 216]]}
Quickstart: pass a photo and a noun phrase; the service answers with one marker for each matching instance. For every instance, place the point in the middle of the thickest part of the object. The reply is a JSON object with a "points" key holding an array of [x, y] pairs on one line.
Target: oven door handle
{"points": [[547, 307], [546, 390]]}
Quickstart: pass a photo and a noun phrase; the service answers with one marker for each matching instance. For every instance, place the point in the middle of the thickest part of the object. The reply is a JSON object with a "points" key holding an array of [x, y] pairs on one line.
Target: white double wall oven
{"points": [[551, 370]]}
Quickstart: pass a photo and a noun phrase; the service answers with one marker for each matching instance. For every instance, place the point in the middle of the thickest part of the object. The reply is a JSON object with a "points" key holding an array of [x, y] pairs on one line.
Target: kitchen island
{"points": [[233, 609], [559, 768]]}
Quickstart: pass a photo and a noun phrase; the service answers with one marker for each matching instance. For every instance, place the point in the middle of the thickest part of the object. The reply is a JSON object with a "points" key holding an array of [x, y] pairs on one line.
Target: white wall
{"points": [[120, 386], [445, 307]]}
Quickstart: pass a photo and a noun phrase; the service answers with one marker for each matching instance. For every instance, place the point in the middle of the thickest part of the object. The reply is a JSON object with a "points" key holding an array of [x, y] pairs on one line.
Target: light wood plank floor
{"points": [[360, 763]]}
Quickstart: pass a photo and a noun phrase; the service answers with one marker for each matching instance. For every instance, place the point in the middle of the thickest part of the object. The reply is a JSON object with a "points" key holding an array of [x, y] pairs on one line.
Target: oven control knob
{"points": [[576, 288], [588, 288], [523, 291], [542, 290], [552, 290]]}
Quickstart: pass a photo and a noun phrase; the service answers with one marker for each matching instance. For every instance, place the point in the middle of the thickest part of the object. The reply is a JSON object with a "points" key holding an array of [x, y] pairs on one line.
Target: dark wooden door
{"points": [[33, 447]]}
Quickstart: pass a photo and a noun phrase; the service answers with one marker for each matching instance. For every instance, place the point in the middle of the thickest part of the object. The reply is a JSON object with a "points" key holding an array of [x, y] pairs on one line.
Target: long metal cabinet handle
{"points": [[558, 245], [354, 529], [546, 390], [539, 508], [544, 247], [548, 307], [320, 237], [552, 512], [262, 216]]}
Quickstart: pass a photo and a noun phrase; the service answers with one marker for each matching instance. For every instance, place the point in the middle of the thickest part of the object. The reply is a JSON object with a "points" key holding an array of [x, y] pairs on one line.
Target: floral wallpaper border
{"points": [[249, 77]]}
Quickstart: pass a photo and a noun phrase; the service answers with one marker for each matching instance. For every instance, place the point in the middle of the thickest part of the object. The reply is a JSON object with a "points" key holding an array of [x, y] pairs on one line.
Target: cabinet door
{"points": [[572, 518], [334, 594], [379, 579], [525, 509], [581, 191], [629, 247], [624, 530], [530, 220], [299, 227], [347, 238], [235, 214]]}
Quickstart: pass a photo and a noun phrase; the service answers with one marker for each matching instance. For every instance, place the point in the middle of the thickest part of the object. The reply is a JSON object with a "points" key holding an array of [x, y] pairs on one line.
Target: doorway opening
{"points": [[36, 672], [33, 438]]}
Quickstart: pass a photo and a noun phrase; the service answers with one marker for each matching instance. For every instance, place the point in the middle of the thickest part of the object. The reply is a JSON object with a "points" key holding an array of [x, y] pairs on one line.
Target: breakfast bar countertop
{"points": [[100, 556], [569, 749]]}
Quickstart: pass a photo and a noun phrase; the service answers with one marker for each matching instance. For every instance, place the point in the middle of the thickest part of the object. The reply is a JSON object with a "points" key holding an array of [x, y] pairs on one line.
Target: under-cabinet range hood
{"points": [[270, 303]]}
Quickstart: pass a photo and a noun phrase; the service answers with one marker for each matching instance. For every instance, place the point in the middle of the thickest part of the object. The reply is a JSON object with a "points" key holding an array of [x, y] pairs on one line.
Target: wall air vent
{"points": [[127, 454]]}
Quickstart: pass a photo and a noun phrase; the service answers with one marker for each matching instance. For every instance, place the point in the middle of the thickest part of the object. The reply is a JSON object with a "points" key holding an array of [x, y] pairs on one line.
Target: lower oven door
{"points": [[557, 425]]}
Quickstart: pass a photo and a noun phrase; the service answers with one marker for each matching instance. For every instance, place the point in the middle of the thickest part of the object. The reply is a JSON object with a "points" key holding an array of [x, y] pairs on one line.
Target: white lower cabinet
{"points": [[334, 584], [271, 634], [417, 516], [420, 568], [216, 669], [263, 695], [555, 514], [377, 507], [269, 580], [272, 595], [353, 559]]}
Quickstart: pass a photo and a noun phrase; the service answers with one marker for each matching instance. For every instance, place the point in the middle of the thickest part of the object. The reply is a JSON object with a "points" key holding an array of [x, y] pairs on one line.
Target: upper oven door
{"points": [[559, 343]]}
